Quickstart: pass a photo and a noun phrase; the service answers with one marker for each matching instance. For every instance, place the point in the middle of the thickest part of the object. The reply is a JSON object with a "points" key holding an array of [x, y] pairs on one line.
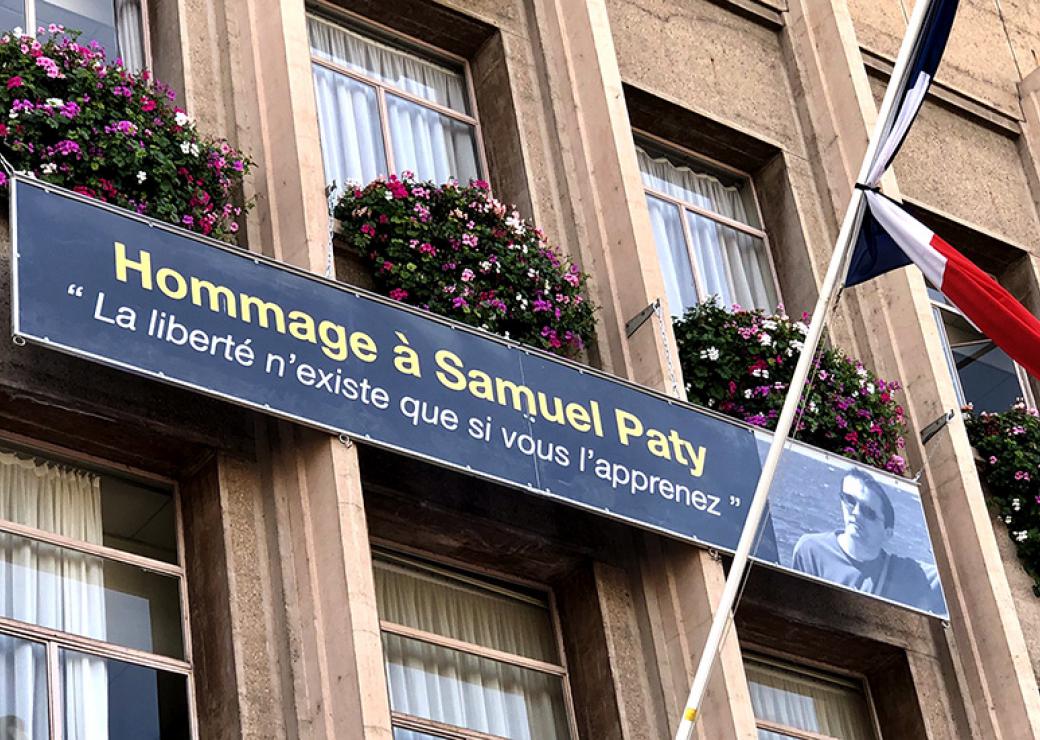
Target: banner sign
{"points": [[107, 285]]}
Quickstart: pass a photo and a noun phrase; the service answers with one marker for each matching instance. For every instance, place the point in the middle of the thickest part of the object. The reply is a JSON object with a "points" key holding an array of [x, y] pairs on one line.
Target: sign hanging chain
{"points": [[330, 258], [672, 378]]}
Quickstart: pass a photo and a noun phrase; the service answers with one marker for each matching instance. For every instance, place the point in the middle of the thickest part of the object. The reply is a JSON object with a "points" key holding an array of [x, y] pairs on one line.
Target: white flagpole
{"points": [[828, 292]]}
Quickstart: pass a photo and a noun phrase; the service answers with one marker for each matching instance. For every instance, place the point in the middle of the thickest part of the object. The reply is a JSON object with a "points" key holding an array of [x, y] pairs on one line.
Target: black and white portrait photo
{"points": [[852, 527]]}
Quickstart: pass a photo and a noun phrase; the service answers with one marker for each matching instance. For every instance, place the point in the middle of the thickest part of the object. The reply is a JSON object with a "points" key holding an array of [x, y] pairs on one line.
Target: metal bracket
{"points": [[633, 324], [935, 427], [345, 441]]}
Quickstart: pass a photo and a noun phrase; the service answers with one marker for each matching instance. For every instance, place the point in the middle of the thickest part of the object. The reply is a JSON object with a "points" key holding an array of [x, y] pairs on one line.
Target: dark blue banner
{"points": [[156, 301], [104, 284]]}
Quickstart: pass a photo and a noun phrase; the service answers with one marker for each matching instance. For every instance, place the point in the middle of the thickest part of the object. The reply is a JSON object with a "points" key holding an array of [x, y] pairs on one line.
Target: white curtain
{"points": [[129, 34], [462, 689], [52, 587], [804, 703], [733, 265], [428, 143]]}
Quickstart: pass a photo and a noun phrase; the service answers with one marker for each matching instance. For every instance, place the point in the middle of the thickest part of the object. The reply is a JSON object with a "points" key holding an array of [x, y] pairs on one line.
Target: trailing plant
{"points": [[740, 363], [1009, 444], [78, 121], [458, 251]]}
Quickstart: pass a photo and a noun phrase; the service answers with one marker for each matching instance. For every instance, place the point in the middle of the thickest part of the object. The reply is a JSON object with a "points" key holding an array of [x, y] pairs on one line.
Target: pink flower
{"points": [[398, 294], [1021, 475], [13, 82], [388, 266], [992, 459], [467, 275]]}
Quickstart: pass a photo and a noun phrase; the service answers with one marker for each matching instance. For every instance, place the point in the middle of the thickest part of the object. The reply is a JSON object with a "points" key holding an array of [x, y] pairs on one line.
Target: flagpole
{"points": [[828, 293]]}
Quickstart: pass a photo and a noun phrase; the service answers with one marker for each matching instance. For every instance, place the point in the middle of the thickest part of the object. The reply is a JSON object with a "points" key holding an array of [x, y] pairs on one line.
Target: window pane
{"points": [[464, 611], [430, 144], [987, 375], [803, 702], [679, 285], [23, 689], [107, 698], [395, 67], [90, 596], [351, 135], [476, 693], [95, 18], [87, 506], [733, 265], [698, 187]]}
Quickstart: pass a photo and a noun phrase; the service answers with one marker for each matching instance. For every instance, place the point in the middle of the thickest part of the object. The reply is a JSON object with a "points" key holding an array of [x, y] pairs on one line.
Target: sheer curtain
{"points": [[432, 145], [733, 265], [462, 689], [52, 587], [129, 33], [802, 702]]}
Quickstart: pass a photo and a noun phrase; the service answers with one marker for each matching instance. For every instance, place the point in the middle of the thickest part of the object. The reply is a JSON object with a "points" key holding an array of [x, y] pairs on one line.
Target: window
{"points": [[115, 24], [982, 373], [707, 230], [92, 630], [794, 703], [468, 656], [386, 108]]}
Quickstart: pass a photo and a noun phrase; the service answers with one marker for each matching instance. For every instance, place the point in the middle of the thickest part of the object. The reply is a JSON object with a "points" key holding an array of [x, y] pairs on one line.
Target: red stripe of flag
{"points": [[991, 308]]}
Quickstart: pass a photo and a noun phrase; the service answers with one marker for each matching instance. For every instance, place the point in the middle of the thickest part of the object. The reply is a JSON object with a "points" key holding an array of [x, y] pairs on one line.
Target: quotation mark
{"points": [[74, 290], [734, 501]]}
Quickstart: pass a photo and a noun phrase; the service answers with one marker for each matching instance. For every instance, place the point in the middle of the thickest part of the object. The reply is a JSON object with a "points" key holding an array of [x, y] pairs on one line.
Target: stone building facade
{"points": [[286, 545]]}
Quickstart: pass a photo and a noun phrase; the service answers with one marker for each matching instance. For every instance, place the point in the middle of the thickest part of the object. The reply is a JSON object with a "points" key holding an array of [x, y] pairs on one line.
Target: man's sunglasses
{"points": [[852, 502]]}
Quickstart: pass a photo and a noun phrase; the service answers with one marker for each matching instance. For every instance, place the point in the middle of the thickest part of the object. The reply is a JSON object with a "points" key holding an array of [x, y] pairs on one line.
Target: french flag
{"points": [[890, 238], [896, 238]]}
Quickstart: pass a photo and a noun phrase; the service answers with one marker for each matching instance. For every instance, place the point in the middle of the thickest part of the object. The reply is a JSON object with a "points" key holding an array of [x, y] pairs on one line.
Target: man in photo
{"points": [[856, 557]]}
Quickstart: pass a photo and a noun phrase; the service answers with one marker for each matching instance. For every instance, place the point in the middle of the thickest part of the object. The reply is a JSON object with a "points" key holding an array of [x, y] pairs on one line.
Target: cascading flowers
{"points": [[1009, 444], [71, 118], [458, 251], [740, 363]]}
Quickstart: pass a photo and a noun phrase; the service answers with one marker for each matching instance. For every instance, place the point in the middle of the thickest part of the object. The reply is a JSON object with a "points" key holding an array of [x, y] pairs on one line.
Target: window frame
{"points": [[29, 11], [350, 21], [817, 671], [938, 306], [55, 640], [452, 568], [682, 153]]}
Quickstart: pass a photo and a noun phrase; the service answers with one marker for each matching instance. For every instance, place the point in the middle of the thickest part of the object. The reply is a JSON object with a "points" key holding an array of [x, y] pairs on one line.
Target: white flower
{"points": [[765, 339], [769, 324], [1022, 535], [185, 147], [1016, 504], [194, 150], [485, 265], [712, 353], [55, 102], [812, 406], [760, 372], [48, 168], [861, 371], [747, 393], [1007, 519], [870, 388], [142, 175], [797, 346], [388, 195], [181, 118], [800, 326], [18, 32], [13, 115]]}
